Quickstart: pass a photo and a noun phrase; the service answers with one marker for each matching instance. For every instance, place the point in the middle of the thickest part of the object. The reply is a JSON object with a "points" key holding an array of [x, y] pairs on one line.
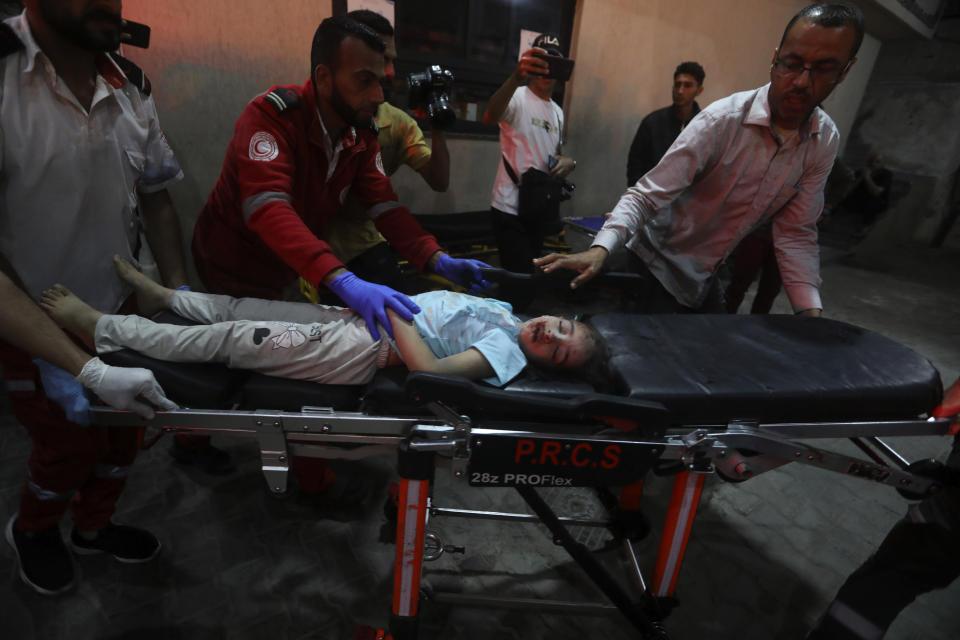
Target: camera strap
{"points": [[513, 174], [510, 171]]}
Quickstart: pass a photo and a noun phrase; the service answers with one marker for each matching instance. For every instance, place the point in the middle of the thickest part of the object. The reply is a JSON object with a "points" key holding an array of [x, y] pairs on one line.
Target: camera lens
{"points": [[430, 89], [440, 112]]}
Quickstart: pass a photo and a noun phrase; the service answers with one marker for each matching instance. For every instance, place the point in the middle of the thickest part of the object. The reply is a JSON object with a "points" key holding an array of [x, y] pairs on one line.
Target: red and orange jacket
{"points": [[263, 223]]}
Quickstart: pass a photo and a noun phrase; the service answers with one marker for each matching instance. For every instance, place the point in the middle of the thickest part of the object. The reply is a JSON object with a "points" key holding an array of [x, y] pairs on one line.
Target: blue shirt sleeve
{"points": [[501, 351]]}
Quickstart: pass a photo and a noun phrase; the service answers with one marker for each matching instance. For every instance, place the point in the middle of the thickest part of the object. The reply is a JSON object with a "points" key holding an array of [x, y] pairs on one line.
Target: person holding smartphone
{"points": [[531, 131]]}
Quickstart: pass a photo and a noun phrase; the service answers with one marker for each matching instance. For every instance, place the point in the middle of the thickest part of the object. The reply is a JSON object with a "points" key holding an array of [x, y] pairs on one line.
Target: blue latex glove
{"points": [[61, 387], [372, 301], [463, 271]]}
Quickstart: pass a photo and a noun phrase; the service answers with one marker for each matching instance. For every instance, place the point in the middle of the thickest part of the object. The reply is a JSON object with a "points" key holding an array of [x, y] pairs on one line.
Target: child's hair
{"points": [[596, 371]]}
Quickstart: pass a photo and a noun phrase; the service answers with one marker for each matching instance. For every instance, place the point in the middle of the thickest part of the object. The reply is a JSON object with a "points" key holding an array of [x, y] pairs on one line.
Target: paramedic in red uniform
{"points": [[296, 153], [83, 166]]}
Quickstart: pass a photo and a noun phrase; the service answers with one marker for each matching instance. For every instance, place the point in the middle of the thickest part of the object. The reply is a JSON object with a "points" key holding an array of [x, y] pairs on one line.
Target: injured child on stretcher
{"points": [[454, 334]]}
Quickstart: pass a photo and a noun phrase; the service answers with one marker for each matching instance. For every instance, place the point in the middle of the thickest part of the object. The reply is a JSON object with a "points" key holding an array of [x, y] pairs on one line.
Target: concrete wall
{"points": [[617, 83], [910, 113], [843, 103], [907, 17], [207, 59]]}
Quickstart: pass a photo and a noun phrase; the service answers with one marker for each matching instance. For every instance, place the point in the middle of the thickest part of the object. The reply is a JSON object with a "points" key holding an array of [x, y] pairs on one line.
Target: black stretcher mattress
{"points": [[703, 368], [768, 368]]}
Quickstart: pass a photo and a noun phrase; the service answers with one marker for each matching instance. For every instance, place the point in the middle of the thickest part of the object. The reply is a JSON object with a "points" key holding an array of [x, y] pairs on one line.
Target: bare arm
{"points": [[162, 229], [498, 102], [437, 171], [418, 357], [24, 324]]}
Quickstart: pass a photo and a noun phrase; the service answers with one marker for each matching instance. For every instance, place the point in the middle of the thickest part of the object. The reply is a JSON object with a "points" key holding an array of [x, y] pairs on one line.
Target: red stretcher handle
{"points": [[950, 406]]}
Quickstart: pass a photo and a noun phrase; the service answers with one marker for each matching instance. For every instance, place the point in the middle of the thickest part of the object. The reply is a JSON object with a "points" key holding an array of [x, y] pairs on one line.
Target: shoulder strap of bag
{"points": [[510, 171]]}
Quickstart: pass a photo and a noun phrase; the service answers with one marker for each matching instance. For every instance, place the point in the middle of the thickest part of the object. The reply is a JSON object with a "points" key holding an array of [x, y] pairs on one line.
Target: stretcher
{"points": [[736, 396]]}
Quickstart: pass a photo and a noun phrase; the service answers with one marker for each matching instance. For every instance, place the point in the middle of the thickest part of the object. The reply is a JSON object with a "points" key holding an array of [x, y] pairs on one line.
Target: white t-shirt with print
{"points": [[529, 134]]}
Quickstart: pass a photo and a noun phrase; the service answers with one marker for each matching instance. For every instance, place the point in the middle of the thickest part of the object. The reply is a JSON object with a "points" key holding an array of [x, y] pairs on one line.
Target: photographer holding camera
{"points": [[529, 182], [352, 235]]}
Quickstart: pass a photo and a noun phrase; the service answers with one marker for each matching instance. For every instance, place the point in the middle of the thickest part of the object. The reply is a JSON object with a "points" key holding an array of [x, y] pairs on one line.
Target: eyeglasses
{"points": [[793, 69]]}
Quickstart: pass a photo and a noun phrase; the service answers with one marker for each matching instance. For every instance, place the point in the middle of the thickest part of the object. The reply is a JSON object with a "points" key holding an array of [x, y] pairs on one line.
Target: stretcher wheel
{"points": [[929, 468], [363, 632], [630, 524], [427, 592], [659, 632], [731, 479]]}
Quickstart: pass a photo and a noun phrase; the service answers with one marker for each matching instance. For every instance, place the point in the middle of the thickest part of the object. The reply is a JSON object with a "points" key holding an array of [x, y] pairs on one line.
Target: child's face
{"points": [[557, 341]]}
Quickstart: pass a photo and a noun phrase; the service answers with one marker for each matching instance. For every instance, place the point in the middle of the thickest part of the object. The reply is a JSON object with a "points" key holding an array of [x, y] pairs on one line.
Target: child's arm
{"points": [[418, 357]]}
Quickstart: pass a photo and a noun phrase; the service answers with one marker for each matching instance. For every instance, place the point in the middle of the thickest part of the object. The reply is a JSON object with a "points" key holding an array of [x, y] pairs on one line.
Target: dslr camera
{"points": [[430, 90]]}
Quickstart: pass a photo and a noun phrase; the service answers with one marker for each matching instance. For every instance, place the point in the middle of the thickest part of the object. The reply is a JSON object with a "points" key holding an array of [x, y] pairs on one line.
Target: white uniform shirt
{"points": [[69, 178], [724, 176], [529, 134]]}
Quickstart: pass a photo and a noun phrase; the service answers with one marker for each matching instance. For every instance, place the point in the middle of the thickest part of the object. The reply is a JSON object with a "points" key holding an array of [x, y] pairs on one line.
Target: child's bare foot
{"points": [[151, 296], [70, 312]]}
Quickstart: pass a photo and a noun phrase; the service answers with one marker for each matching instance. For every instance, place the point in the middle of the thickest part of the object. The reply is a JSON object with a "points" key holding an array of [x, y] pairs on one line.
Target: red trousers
{"points": [[71, 466]]}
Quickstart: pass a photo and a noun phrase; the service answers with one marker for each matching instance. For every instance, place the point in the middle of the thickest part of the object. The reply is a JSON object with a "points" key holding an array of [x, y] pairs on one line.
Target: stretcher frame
{"points": [[737, 451]]}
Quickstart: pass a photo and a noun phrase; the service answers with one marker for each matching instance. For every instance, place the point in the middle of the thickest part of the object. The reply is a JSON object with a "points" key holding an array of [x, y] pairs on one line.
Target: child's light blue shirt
{"points": [[450, 323]]}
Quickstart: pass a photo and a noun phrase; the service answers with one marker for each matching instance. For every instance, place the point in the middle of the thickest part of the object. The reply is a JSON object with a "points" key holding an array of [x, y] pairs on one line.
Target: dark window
{"points": [[478, 40]]}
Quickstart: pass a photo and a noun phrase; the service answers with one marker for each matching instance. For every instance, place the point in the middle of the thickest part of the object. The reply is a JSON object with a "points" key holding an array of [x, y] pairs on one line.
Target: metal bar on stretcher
{"points": [[347, 422], [251, 422], [311, 427]]}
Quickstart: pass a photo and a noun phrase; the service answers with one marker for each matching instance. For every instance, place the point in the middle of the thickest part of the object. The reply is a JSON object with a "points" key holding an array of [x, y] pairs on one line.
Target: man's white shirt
{"points": [[69, 179]]}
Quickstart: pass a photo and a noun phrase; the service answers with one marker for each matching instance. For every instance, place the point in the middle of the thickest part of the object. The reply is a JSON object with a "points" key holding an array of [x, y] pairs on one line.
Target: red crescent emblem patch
{"points": [[263, 147]]}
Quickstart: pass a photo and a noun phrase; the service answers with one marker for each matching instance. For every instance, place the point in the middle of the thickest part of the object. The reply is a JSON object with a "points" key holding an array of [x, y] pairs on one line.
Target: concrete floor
{"points": [[764, 559]]}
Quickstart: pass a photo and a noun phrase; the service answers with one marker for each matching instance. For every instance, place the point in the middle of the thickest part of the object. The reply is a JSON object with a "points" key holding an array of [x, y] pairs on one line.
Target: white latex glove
{"points": [[120, 386]]}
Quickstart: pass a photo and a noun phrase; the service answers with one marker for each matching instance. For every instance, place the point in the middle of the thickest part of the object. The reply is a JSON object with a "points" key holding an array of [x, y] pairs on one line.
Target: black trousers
{"points": [[754, 256], [649, 296], [914, 558]]}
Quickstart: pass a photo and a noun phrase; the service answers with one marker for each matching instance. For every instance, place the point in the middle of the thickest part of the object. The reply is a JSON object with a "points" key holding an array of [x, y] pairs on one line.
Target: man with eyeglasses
{"points": [[755, 157]]}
